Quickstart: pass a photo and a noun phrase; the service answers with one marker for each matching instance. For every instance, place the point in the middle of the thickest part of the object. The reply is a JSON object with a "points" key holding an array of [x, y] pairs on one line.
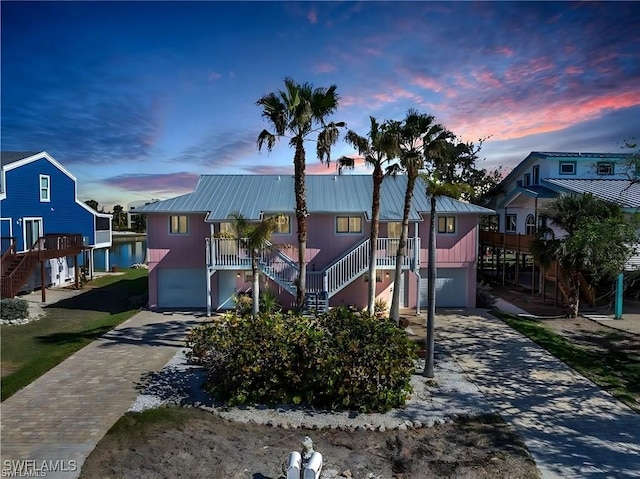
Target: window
{"points": [[527, 179], [283, 225], [446, 224], [394, 229], [605, 168], [45, 188], [530, 225], [511, 223], [378, 276], [178, 225], [519, 183], [567, 167], [348, 224], [536, 174]]}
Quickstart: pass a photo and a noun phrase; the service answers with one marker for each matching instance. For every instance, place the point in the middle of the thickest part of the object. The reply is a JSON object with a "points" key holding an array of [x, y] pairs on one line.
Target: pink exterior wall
{"points": [[173, 251], [323, 247]]}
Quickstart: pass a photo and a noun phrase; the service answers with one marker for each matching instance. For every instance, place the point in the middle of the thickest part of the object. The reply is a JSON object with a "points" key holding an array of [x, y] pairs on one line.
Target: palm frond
{"points": [[268, 138]]}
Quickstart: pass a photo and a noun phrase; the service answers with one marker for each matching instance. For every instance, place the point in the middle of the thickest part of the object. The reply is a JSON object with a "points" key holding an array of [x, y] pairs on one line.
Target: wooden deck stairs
{"points": [[17, 267]]}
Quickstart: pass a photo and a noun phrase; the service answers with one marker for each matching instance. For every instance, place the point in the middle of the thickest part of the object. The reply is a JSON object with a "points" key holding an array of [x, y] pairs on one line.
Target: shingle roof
{"points": [[7, 157], [251, 195], [623, 192]]}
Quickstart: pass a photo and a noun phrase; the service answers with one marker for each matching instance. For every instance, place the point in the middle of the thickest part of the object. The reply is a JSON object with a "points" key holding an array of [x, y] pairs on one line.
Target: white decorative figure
{"points": [[294, 465]]}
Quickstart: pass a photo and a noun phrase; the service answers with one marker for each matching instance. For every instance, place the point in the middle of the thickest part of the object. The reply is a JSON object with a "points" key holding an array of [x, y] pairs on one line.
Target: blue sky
{"points": [[137, 99]]}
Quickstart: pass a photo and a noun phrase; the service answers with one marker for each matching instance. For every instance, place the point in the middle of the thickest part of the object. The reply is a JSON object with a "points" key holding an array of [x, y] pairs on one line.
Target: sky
{"points": [[137, 99]]}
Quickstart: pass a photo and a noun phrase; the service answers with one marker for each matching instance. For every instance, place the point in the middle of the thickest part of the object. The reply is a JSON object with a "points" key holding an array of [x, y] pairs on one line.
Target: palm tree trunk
{"points": [[378, 177], [395, 299], [573, 295], [301, 216], [256, 282], [431, 294]]}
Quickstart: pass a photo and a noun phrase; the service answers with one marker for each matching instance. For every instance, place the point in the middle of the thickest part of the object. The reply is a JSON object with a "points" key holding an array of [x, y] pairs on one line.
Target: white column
{"points": [[106, 259]]}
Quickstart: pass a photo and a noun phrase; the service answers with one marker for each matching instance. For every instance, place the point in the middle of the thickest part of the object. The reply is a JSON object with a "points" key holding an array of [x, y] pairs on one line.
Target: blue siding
{"points": [[62, 214]]}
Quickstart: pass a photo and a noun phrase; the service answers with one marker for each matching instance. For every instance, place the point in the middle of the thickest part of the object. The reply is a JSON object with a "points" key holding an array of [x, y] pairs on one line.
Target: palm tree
{"points": [[297, 112], [378, 147], [435, 189], [256, 238], [420, 139]]}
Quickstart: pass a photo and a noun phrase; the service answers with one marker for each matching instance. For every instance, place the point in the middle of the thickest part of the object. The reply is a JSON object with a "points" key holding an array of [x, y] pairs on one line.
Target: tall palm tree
{"points": [[297, 112], [256, 238], [379, 147], [435, 189], [420, 140]]}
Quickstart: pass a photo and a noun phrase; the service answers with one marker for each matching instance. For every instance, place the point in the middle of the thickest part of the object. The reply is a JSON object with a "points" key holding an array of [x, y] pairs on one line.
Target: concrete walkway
{"points": [[572, 428], [60, 417]]}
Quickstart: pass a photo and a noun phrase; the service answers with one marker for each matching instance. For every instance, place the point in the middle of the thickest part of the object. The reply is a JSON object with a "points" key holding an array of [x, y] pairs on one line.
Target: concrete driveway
{"points": [[572, 428]]}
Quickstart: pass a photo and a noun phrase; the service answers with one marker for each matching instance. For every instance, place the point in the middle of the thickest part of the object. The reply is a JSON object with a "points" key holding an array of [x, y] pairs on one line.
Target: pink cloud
{"points": [[573, 70], [158, 184], [324, 68], [312, 16], [509, 120]]}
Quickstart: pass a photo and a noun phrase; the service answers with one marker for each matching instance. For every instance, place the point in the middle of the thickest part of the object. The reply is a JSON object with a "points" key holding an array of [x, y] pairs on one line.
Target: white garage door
{"points": [[182, 288], [451, 288]]}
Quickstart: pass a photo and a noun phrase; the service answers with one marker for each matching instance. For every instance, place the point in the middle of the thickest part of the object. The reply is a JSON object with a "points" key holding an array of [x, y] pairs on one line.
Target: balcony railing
{"points": [[509, 241]]}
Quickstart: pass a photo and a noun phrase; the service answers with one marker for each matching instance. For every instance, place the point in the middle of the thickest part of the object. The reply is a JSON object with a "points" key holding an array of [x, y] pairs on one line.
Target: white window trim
{"points": [[171, 233], [23, 221], [572, 163], [348, 233], [48, 188], [447, 233], [610, 164], [507, 223]]}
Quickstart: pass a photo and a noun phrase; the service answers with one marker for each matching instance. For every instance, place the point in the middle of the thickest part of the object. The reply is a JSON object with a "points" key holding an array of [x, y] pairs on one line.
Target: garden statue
{"points": [[304, 465]]}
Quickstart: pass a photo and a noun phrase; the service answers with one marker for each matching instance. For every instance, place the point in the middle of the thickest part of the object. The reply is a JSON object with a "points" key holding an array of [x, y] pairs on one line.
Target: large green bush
{"points": [[341, 360], [12, 309]]}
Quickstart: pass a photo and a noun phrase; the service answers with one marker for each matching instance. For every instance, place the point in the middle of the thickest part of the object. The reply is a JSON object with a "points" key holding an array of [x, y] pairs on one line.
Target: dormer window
{"points": [[605, 168], [45, 188], [527, 179], [567, 167]]}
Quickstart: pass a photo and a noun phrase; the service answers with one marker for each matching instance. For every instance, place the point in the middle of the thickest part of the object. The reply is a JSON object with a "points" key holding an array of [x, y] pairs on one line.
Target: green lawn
{"points": [[617, 371], [30, 350]]}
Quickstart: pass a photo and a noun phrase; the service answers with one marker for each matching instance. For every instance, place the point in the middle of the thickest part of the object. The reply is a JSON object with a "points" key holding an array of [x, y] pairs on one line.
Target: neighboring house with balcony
{"points": [[520, 197], [194, 262], [44, 227]]}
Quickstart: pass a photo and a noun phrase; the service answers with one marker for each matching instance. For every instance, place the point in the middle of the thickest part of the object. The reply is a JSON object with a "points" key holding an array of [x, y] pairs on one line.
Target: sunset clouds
{"points": [[143, 97]]}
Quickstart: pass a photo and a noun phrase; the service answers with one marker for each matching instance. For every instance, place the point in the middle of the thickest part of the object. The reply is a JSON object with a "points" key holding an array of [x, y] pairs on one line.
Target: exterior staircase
{"points": [[225, 253], [18, 267]]}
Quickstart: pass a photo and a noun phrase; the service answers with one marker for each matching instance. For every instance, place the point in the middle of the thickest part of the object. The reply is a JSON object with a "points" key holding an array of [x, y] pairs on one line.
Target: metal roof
{"points": [[623, 192], [252, 195], [543, 155], [7, 157]]}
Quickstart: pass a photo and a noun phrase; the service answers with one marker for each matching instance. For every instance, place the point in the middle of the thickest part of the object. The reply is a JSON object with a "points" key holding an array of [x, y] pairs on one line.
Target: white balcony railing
{"points": [[225, 253]]}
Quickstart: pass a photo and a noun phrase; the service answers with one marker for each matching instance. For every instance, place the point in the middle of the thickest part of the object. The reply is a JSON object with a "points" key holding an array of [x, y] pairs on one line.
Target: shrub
{"points": [[340, 360], [269, 301], [12, 309], [484, 298]]}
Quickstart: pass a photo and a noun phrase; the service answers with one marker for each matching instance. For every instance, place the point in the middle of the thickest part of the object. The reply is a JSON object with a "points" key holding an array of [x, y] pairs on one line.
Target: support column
{"points": [[619, 290], [43, 286], [106, 260]]}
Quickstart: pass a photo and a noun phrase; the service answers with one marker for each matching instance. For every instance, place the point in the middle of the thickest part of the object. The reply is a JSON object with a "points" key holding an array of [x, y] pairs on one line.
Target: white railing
{"points": [[228, 252]]}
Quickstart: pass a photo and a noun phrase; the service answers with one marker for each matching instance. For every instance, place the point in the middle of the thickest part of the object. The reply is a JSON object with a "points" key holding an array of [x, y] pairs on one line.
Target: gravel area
{"points": [[437, 401]]}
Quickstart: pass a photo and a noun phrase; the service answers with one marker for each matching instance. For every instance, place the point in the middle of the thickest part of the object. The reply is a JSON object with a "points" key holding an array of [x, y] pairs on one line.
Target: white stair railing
{"points": [[229, 252]]}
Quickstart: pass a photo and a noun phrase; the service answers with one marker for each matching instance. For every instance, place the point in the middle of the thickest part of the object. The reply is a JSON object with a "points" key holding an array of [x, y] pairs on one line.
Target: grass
{"points": [[616, 371], [30, 350]]}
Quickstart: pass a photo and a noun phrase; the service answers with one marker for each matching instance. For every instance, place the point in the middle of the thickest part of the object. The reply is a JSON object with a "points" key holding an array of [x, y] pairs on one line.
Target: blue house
{"points": [[43, 225]]}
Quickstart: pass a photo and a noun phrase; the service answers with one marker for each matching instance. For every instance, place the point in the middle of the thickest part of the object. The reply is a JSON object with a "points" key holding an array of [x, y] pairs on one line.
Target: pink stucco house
{"points": [[193, 264]]}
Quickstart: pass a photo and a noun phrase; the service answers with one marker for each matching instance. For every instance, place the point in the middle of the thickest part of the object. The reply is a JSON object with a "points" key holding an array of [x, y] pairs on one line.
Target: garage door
{"points": [[182, 288], [451, 288]]}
